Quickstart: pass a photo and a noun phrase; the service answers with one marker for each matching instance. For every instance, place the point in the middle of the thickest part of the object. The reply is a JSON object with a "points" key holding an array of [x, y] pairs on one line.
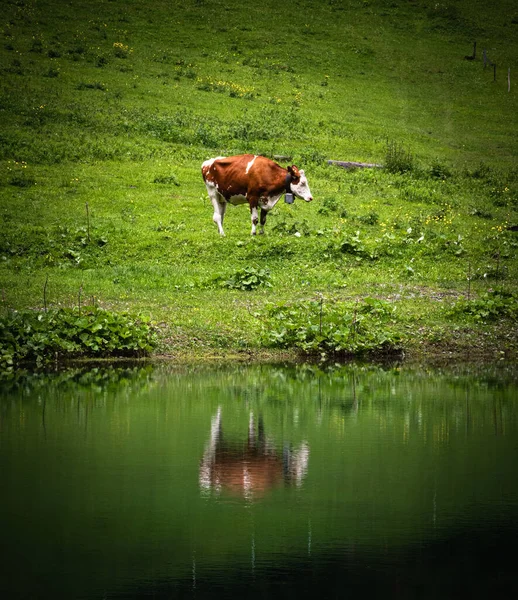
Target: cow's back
{"points": [[231, 171], [239, 175]]}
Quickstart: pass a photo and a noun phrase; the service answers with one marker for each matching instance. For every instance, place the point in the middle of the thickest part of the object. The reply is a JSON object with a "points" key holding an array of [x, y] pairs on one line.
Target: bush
{"points": [[371, 218], [22, 181], [121, 50], [91, 86], [332, 328], [397, 159], [354, 245], [248, 279], [327, 205], [40, 337], [440, 171], [51, 73], [291, 226], [491, 306]]}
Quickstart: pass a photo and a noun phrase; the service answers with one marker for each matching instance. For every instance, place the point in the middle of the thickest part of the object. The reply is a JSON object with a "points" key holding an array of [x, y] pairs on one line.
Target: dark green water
{"points": [[260, 482]]}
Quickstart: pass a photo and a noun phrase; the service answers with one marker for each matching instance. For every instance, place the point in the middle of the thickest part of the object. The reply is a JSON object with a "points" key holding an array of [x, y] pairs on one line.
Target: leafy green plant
{"points": [[440, 171], [291, 226], [371, 218], [51, 73], [248, 279], [97, 85], [491, 306], [481, 213], [22, 181], [328, 205], [166, 180], [39, 337], [354, 245], [121, 50], [101, 61], [332, 327]]}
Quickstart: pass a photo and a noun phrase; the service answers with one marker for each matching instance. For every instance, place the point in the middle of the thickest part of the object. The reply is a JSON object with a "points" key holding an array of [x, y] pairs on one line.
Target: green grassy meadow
{"points": [[108, 109]]}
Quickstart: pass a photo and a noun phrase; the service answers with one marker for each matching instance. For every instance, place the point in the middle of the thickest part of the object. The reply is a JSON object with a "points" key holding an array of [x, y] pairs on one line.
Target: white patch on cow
{"points": [[269, 203], [249, 165], [301, 189], [208, 163]]}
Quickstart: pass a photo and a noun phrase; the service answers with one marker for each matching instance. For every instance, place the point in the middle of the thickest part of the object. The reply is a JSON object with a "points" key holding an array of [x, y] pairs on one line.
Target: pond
{"points": [[259, 481]]}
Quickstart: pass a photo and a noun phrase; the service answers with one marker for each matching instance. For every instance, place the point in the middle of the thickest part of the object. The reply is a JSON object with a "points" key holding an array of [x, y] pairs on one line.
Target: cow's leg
{"points": [[254, 215], [219, 204], [264, 214], [255, 219], [219, 213]]}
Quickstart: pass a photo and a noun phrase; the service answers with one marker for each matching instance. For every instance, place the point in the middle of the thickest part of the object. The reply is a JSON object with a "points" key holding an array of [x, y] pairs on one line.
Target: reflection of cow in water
{"points": [[252, 468]]}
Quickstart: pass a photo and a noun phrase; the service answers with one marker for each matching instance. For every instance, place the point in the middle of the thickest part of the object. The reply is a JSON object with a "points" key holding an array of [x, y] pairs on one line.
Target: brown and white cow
{"points": [[253, 179]]}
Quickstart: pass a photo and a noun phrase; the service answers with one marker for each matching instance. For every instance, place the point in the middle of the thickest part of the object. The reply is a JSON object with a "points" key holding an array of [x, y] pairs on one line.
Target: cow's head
{"points": [[299, 184]]}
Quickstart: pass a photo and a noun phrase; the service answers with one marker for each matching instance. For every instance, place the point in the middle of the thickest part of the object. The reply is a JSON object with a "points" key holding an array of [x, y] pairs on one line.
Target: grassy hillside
{"points": [[108, 108]]}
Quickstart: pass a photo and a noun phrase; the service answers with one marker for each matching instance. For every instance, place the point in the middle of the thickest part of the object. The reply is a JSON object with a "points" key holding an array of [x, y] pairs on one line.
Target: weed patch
{"points": [[292, 226], [22, 181], [230, 88], [42, 337], [166, 180], [332, 328], [398, 159], [356, 247], [247, 279], [97, 85], [491, 306], [61, 247]]}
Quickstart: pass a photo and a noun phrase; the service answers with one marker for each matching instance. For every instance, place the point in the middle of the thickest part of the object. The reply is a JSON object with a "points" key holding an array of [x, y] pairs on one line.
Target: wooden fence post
{"points": [[45, 293]]}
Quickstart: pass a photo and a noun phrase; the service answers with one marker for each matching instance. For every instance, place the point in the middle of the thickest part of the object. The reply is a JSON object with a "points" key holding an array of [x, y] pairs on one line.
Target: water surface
{"points": [[259, 481]]}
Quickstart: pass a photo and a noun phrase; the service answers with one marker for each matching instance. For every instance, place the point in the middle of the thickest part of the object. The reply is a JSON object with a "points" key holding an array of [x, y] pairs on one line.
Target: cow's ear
{"points": [[295, 174]]}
